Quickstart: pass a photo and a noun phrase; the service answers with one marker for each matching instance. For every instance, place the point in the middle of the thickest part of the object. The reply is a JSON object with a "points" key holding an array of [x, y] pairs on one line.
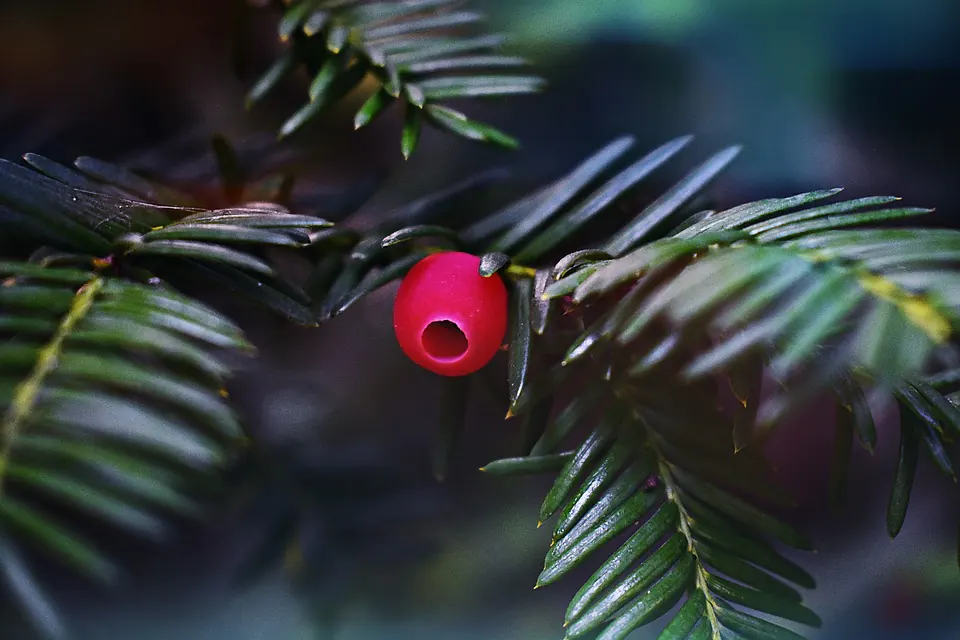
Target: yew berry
{"points": [[447, 317]]}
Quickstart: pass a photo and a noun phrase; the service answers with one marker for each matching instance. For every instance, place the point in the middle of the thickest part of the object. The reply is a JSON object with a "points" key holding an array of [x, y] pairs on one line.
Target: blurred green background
{"points": [[822, 93]]}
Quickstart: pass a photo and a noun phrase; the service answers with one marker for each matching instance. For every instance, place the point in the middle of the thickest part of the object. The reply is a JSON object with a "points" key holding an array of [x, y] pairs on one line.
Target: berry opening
{"points": [[444, 340]]}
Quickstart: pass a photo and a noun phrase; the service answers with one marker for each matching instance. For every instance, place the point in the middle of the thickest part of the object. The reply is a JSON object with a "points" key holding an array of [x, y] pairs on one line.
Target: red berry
{"points": [[447, 317]]}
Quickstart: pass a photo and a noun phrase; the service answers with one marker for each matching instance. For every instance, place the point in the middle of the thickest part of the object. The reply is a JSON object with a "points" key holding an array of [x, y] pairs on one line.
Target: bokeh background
{"points": [[863, 94]]}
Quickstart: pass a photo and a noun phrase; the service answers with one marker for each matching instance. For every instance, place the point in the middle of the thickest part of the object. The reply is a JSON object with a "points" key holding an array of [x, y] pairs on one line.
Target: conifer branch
{"points": [[26, 393]]}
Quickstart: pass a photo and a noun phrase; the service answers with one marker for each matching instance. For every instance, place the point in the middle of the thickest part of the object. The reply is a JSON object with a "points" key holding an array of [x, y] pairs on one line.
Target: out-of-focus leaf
{"points": [[453, 416], [23, 586], [43, 532]]}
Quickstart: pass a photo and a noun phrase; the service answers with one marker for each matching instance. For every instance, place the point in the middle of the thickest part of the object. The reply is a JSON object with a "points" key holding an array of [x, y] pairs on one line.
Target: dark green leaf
{"points": [[344, 84], [427, 23], [440, 48], [412, 122], [518, 362], [224, 233], [201, 251], [842, 449], [204, 404], [49, 300], [593, 487], [316, 23], [753, 628], [704, 631], [47, 203], [903, 477], [372, 108], [273, 542], [491, 263], [277, 72], [571, 282], [414, 95], [463, 62], [853, 401], [51, 537], [946, 413], [746, 214], [456, 87], [535, 422], [87, 498], [294, 17], [127, 421], [393, 271], [188, 323], [576, 259], [419, 231], [527, 465], [591, 449], [124, 472], [618, 507], [124, 178], [746, 382], [646, 258], [377, 12], [256, 218], [812, 330], [572, 415], [540, 309], [301, 117], [741, 571], [24, 587], [600, 200], [742, 511], [456, 122], [760, 601], [814, 213], [228, 166], [932, 435], [562, 192], [138, 338], [337, 37], [651, 217], [156, 298], [453, 415], [325, 78], [274, 294], [560, 561], [72, 177], [656, 601], [641, 579], [346, 281], [835, 222], [44, 274], [686, 619], [506, 217], [719, 533]]}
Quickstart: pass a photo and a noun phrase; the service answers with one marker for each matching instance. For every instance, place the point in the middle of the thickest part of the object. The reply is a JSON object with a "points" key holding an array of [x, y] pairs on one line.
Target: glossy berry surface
{"points": [[447, 317]]}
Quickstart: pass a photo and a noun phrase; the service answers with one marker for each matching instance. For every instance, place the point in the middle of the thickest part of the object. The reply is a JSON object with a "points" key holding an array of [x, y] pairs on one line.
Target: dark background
{"points": [[822, 93]]}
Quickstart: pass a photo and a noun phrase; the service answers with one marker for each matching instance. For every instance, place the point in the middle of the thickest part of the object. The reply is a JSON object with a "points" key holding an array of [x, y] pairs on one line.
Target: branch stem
{"points": [[26, 393]]}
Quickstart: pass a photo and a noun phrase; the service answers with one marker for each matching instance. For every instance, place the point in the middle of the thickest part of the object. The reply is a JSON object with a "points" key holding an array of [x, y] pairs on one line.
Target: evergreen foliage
{"points": [[419, 53], [646, 370]]}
